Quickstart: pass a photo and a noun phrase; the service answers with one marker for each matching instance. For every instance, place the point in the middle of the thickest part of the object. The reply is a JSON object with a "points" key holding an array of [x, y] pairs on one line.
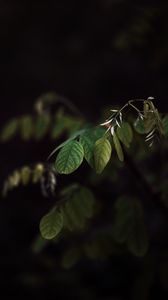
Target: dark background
{"points": [[95, 53]]}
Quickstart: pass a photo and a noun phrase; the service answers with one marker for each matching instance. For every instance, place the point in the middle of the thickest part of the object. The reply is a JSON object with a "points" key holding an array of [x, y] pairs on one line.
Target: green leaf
{"points": [[129, 226], [88, 139], [139, 126], [72, 216], [9, 130], [26, 127], [69, 158], [79, 207], [42, 124], [14, 179], [72, 137], [125, 134], [118, 147], [38, 172], [57, 130], [102, 154], [25, 173], [51, 224]]}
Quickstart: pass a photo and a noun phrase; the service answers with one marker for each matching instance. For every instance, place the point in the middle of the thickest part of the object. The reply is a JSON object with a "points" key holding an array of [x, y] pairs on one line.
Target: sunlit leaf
{"points": [[51, 224], [102, 154], [69, 158]]}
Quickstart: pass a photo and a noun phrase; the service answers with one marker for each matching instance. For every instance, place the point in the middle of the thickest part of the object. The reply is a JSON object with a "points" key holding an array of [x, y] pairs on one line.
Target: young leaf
{"points": [[118, 147], [51, 224], [69, 158], [26, 127], [9, 130], [88, 139], [102, 154], [129, 226], [125, 134]]}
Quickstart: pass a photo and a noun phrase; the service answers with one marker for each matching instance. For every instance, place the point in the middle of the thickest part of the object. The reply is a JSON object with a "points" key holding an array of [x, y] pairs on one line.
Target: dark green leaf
{"points": [[129, 226], [79, 207], [57, 130], [139, 126], [125, 134], [88, 139]]}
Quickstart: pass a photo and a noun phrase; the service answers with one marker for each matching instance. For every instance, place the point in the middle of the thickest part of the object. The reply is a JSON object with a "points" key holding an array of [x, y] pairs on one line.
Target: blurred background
{"points": [[95, 53]]}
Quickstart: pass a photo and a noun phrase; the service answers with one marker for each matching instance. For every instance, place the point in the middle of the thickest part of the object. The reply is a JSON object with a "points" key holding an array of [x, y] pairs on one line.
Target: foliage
{"points": [[94, 226]]}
